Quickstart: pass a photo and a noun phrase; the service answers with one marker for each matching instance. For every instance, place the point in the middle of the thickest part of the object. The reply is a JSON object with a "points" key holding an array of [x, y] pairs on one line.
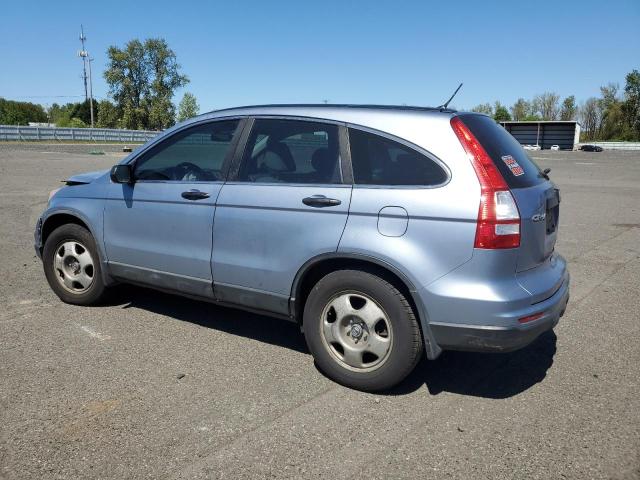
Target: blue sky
{"points": [[414, 52]]}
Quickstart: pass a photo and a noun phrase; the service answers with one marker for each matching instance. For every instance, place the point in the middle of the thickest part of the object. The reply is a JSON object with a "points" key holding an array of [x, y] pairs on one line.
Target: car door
{"points": [[283, 204], [158, 230]]}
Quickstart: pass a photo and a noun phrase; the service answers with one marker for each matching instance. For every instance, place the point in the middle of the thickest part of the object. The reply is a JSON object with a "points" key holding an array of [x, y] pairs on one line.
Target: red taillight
{"points": [[498, 216], [531, 318]]}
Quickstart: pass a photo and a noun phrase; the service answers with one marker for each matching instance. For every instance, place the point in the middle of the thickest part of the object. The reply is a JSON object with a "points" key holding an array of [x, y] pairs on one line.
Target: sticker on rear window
{"points": [[513, 165]]}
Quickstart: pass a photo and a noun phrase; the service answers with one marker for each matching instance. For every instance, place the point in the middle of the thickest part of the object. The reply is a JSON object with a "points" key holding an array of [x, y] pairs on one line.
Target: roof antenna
{"points": [[446, 104]]}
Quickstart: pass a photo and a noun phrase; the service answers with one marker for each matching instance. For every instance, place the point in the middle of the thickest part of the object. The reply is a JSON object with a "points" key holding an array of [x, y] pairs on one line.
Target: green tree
{"points": [[188, 107], [60, 114], [82, 110], [128, 79], [568, 110], [142, 79], [485, 108], [76, 122], [546, 105], [166, 78], [609, 94], [613, 126], [21, 113], [162, 113], [500, 113], [54, 112], [521, 109], [590, 118], [631, 105], [72, 122], [77, 115], [108, 115], [611, 118]]}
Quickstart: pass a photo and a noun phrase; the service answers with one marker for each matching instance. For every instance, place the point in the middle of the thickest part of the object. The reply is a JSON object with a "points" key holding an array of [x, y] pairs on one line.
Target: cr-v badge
{"points": [[538, 217]]}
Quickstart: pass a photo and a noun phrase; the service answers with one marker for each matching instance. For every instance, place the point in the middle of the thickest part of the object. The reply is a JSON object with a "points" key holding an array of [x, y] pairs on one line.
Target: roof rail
{"points": [[341, 105]]}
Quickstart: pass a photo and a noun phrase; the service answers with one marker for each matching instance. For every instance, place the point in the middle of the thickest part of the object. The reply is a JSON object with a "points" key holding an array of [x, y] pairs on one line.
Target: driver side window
{"points": [[192, 155]]}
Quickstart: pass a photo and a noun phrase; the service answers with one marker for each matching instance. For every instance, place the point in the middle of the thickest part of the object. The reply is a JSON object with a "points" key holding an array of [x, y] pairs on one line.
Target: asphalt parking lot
{"points": [[156, 386]]}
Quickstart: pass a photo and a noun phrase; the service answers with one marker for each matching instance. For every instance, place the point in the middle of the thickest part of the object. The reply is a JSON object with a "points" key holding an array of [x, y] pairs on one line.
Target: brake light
{"points": [[498, 216], [531, 318]]}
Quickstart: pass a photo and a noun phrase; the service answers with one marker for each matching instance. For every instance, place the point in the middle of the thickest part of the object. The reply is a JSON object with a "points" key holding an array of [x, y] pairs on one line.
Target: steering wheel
{"points": [[188, 167]]}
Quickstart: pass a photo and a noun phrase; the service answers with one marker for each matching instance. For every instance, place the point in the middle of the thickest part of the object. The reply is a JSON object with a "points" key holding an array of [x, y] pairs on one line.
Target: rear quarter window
{"points": [[498, 144], [377, 160]]}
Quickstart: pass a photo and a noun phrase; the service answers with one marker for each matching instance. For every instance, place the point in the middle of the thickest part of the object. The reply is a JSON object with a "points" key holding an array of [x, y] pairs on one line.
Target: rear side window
{"points": [[378, 160], [503, 149], [291, 151]]}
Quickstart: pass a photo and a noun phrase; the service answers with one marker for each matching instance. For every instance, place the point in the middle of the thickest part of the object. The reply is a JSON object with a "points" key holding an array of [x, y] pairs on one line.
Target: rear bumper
{"points": [[482, 319], [488, 338]]}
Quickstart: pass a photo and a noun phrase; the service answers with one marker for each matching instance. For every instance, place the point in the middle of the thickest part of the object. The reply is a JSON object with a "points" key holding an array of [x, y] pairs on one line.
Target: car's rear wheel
{"points": [[72, 266], [361, 330]]}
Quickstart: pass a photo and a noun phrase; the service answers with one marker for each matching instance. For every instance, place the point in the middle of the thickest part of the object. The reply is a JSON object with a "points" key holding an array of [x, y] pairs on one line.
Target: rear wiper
{"points": [[545, 173]]}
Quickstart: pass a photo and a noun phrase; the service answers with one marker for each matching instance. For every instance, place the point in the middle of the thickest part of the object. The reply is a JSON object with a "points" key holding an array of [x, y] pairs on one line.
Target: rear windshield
{"points": [[504, 150]]}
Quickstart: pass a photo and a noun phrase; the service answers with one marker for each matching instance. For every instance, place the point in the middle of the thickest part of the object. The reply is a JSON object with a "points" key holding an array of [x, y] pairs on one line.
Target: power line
{"points": [[46, 96]]}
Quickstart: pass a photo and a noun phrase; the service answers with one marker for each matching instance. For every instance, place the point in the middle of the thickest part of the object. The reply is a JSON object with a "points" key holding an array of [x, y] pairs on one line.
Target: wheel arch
{"points": [[313, 270], [66, 216], [58, 219]]}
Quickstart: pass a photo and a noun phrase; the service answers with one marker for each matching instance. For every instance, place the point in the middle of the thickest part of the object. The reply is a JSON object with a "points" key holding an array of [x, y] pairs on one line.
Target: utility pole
{"points": [[85, 59], [90, 92]]}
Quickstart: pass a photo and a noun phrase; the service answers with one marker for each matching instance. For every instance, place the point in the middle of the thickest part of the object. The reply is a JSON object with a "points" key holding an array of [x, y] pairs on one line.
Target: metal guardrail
{"points": [[20, 133], [613, 145]]}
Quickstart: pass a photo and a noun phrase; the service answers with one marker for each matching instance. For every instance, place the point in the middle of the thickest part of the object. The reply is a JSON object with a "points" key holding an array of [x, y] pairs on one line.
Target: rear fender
{"points": [[431, 348]]}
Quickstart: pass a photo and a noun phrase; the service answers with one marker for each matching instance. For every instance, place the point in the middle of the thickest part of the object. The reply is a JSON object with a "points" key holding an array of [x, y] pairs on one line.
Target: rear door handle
{"points": [[320, 201], [194, 195]]}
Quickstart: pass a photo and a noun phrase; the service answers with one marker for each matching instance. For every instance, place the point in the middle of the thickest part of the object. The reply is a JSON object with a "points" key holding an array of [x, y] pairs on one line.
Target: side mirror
{"points": [[122, 173]]}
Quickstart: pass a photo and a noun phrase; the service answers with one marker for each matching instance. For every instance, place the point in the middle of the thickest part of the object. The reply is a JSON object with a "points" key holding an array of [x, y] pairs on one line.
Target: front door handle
{"points": [[320, 201], [194, 195]]}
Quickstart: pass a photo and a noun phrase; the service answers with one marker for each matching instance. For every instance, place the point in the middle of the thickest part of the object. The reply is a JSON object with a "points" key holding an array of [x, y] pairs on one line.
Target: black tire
{"points": [[96, 291], [406, 343]]}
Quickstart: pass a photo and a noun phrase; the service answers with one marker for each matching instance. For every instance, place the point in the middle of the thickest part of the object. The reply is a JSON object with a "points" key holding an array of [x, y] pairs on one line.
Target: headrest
{"points": [[277, 156]]}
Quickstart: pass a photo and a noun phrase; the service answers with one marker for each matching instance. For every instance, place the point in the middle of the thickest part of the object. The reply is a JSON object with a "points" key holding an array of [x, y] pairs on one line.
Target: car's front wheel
{"points": [[72, 266], [361, 330]]}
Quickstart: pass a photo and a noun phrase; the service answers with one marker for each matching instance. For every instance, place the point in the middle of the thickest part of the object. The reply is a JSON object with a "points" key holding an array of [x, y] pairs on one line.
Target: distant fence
{"points": [[614, 145], [19, 133]]}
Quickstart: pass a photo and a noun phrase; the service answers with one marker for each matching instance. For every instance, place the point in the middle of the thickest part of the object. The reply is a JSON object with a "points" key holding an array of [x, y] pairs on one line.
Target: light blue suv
{"points": [[383, 231]]}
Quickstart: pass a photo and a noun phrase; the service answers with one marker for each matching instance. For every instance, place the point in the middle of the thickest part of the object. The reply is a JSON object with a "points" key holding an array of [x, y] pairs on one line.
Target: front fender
{"points": [[88, 211]]}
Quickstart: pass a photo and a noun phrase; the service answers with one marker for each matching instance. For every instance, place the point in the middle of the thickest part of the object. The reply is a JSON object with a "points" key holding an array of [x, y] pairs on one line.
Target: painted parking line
{"points": [[92, 333]]}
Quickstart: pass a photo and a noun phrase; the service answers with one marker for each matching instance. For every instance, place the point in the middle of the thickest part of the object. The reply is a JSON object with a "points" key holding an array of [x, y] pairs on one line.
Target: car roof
{"points": [[411, 123], [340, 112]]}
